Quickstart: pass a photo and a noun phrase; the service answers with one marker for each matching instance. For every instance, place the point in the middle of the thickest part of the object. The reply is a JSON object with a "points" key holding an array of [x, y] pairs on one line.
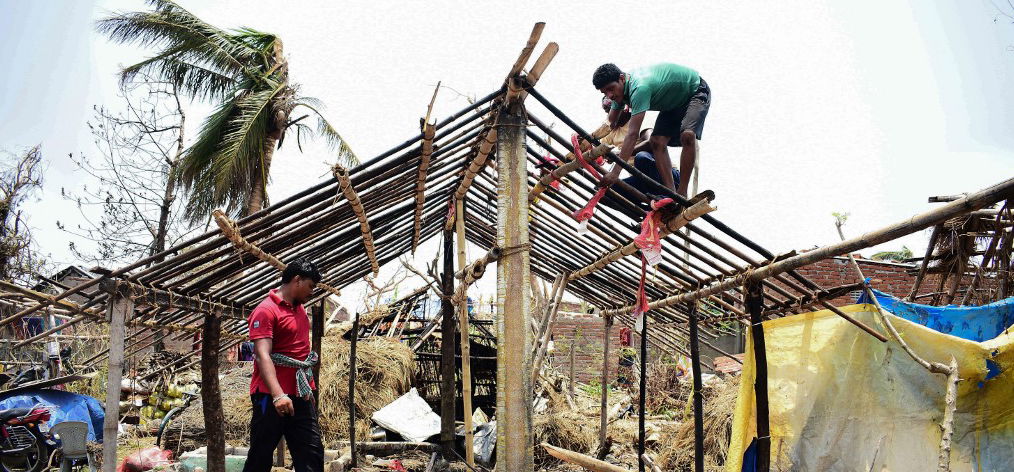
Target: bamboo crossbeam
{"points": [[478, 162], [142, 296], [973, 201], [428, 131], [231, 231], [345, 184], [670, 225]]}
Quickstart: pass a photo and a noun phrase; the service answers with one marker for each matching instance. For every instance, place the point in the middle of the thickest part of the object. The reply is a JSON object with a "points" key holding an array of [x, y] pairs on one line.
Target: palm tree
{"points": [[245, 72]]}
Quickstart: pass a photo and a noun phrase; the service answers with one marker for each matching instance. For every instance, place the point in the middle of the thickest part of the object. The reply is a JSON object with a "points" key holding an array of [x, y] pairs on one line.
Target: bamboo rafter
{"points": [[474, 167], [429, 130], [669, 226], [231, 231], [345, 184]]}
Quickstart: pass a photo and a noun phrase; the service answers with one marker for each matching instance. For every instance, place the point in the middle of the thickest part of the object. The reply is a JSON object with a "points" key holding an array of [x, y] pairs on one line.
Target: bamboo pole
{"points": [[582, 460], [973, 201], [925, 261], [514, 393], [428, 131], [447, 338], [352, 390], [477, 163], [604, 401], [669, 226], [466, 343], [753, 301], [543, 343], [695, 365], [231, 231], [345, 185], [643, 392]]}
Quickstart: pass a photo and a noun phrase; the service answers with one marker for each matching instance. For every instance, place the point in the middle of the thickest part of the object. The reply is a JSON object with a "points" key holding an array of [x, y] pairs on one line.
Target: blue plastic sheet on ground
{"points": [[974, 323], [63, 406]]}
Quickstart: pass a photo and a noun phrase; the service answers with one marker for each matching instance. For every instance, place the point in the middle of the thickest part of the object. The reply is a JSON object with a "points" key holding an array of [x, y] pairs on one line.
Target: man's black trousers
{"points": [[301, 431]]}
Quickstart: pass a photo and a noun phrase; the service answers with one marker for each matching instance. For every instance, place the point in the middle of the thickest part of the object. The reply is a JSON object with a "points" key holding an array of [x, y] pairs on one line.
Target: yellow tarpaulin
{"points": [[840, 400]]}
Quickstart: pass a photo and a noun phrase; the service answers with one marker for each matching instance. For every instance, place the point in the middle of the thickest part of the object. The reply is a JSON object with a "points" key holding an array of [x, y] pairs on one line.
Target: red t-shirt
{"points": [[289, 330]]}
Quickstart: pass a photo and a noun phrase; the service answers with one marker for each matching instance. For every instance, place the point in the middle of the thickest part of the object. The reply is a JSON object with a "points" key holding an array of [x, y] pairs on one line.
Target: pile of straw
{"points": [[564, 428], [675, 449], [385, 369], [186, 432]]}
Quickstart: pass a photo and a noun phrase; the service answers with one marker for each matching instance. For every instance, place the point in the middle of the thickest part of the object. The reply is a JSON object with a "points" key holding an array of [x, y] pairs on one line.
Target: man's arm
{"points": [[626, 151], [614, 118], [266, 368]]}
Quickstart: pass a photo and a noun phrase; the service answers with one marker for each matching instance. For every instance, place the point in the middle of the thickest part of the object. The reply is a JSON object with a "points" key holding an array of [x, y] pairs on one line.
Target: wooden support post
{"points": [[754, 305], [514, 393], [695, 361], [447, 339], [603, 412], [573, 341], [642, 389], [317, 340], [352, 390], [466, 347], [120, 308], [211, 393], [925, 261]]}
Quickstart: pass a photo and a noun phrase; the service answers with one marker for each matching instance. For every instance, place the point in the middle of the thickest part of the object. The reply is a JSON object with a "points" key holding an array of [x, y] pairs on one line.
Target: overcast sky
{"points": [[862, 106]]}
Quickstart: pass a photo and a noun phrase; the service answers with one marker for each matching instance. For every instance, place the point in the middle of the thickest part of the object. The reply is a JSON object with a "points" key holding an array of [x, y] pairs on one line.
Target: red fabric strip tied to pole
{"points": [[649, 241]]}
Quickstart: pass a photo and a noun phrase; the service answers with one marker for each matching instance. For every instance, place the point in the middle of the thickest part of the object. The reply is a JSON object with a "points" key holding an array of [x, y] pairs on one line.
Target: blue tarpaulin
{"points": [[974, 323], [64, 406]]}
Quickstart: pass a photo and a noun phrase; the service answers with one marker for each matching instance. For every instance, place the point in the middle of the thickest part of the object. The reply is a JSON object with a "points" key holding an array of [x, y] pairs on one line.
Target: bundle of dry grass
{"points": [[384, 368], [384, 371], [675, 450], [668, 389], [564, 428], [186, 432]]}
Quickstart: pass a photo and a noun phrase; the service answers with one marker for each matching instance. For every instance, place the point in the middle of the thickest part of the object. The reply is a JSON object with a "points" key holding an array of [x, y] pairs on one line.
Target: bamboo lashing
{"points": [[429, 130], [231, 231], [345, 185], [474, 272], [681, 219], [474, 167]]}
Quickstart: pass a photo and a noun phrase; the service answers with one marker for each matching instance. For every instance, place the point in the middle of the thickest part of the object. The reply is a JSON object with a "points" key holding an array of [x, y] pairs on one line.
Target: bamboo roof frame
{"points": [[401, 197]]}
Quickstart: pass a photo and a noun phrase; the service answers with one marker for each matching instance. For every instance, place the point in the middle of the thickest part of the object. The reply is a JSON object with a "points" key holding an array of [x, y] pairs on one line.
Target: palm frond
{"points": [[171, 28], [192, 79], [346, 156]]}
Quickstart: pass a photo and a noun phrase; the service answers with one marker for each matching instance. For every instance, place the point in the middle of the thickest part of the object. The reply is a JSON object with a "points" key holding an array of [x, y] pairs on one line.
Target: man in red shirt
{"points": [[281, 387]]}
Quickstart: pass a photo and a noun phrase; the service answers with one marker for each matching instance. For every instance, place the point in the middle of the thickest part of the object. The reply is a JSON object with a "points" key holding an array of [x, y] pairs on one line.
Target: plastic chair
{"points": [[73, 444]]}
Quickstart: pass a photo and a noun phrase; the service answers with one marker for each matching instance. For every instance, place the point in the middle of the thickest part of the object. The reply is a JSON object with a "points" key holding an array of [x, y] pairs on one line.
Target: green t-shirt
{"points": [[659, 87]]}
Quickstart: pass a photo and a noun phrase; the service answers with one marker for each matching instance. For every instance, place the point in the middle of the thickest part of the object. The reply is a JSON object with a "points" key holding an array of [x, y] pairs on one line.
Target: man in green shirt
{"points": [[682, 99]]}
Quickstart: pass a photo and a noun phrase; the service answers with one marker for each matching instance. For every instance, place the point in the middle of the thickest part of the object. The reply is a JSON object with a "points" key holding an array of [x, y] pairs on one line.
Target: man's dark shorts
{"points": [[671, 123]]}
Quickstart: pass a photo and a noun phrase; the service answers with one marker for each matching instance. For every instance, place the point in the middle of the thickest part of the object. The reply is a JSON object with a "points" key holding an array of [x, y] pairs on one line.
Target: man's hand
{"points": [[284, 407], [611, 178]]}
